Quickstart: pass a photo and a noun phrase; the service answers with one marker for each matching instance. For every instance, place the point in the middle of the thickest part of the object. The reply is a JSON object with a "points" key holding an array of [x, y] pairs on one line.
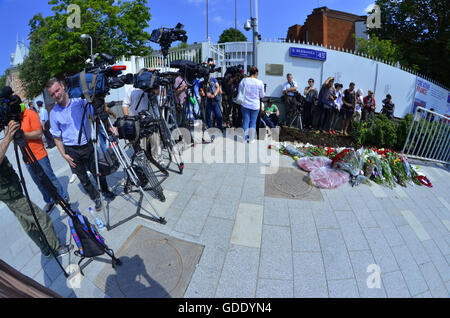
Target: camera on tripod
{"points": [[165, 36], [235, 69], [98, 80], [10, 108], [191, 70]]}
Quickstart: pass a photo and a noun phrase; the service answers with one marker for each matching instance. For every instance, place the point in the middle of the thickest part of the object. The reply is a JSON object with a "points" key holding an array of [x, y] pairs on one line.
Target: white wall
{"points": [[346, 67], [400, 84]]}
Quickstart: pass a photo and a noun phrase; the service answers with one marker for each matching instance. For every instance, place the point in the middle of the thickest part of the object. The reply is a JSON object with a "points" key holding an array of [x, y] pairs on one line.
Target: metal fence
{"points": [[428, 137]]}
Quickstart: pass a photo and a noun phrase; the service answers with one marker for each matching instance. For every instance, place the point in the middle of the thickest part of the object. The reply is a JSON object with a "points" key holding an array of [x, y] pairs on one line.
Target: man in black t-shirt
{"points": [[348, 107]]}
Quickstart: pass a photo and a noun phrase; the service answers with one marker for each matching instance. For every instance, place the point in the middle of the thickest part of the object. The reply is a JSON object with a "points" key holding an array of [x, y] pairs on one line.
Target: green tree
{"points": [[3, 80], [228, 35], [116, 27], [382, 49], [420, 30]]}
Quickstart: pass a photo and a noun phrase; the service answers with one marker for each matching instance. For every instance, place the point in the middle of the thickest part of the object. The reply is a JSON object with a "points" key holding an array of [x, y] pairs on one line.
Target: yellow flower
{"points": [[296, 158]]}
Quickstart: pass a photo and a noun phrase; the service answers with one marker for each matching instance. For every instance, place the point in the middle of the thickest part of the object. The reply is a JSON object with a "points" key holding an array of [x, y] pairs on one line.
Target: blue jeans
{"points": [[249, 117], [271, 121], [46, 166], [213, 106]]}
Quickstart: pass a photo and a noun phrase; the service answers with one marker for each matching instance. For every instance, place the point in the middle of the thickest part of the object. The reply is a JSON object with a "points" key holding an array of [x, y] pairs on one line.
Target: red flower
{"points": [[270, 146]]}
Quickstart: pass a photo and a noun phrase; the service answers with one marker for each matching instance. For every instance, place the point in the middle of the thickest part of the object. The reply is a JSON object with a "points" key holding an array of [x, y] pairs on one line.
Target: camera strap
{"points": [[139, 102], [82, 125], [84, 85]]}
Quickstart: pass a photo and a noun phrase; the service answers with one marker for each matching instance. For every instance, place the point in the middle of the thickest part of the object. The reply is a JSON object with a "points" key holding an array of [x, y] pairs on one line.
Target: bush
{"points": [[381, 132]]}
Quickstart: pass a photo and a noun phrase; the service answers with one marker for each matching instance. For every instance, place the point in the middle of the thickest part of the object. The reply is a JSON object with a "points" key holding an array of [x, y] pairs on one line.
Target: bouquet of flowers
{"points": [[387, 173], [315, 151], [347, 160], [398, 168]]}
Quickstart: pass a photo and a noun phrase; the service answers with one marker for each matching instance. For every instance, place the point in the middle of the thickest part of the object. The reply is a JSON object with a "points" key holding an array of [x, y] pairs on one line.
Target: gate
{"points": [[428, 137]]}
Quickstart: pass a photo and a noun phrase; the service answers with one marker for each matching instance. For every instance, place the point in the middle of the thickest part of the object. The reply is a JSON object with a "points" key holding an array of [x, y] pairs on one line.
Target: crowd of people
{"points": [[327, 109], [322, 109]]}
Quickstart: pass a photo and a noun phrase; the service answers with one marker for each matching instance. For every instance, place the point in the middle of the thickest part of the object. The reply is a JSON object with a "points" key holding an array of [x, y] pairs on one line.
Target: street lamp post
{"points": [[87, 36], [253, 24]]}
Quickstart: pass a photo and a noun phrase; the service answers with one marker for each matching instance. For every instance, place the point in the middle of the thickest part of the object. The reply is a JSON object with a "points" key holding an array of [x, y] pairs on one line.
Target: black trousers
{"points": [[84, 157], [307, 115]]}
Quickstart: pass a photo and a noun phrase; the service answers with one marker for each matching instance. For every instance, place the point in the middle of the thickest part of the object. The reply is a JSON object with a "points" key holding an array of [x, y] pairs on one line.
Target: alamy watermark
{"points": [[74, 19], [374, 279], [374, 19]]}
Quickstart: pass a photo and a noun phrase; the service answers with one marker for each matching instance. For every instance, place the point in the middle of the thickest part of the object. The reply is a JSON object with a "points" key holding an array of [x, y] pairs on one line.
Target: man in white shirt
{"points": [[289, 92]]}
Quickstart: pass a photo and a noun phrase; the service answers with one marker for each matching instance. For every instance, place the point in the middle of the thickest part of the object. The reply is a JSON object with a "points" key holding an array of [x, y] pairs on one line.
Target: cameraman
{"points": [[32, 129], [11, 194], [65, 122], [211, 90], [236, 111], [137, 100]]}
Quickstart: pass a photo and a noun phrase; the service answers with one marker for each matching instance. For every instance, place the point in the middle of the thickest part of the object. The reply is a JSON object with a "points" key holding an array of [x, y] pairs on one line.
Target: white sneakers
{"points": [[73, 178]]}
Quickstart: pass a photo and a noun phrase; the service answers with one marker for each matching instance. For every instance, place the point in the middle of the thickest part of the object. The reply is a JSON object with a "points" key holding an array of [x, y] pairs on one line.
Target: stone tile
{"points": [[438, 237], [361, 262], [224, 210], [325, 219], [309, 276], [395, 285], [276, 253], [424, 295], [343, 288], [335, 255], [272, 288], [438, 259], [216, 234], [248, 225], [351, 230], [238, 278], [415, 224], [388, 228], [276, 212], [253, 190], [392, 212], [410, 270], [337, 201], [365, 218], [203, 283], [303, 231], [434, 281], [381, 250], [414, 245], [194, 215], [377, 190]]}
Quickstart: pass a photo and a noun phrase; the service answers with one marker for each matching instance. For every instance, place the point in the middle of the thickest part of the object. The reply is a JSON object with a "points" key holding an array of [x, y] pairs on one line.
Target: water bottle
{"points": [[97, 220]]}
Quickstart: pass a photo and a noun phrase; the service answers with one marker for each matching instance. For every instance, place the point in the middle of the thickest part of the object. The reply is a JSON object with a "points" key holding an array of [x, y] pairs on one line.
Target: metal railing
{"points": [[431, 137], [192, 53]]}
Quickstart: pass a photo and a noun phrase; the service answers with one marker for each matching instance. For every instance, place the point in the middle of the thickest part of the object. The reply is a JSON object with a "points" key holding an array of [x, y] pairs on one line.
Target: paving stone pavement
{"points": [[367, 241]]}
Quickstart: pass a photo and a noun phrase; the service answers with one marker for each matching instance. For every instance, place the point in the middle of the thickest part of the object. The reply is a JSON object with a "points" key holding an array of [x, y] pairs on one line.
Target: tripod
{"points": [[101, 118], [20, 142], [296, 118]]}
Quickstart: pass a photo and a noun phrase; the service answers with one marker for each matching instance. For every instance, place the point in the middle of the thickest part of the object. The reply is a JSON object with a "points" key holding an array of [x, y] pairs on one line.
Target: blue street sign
{"points": [[307, 53]]}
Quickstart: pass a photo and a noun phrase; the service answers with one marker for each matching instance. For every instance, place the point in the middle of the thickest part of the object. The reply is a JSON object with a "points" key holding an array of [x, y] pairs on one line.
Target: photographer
{"points": [[289, 92], [211, 90], [65, 122], [311, 95], [236, 111], [32, 129], [137, 100], [180, 97], [11, 194]]}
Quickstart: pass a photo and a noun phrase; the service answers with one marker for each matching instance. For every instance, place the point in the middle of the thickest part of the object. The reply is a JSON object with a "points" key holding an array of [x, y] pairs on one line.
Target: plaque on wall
{"points": [[274, 69]]}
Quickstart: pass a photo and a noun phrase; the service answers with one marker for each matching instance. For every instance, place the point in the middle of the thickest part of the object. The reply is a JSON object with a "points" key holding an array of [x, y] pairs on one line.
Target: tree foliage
{"points": [[375, 47], [228, 36], [116, 27], [420, 30]]}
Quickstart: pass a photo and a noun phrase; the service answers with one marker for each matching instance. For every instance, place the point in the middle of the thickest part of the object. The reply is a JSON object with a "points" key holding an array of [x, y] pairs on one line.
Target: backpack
{"points": [[89, 242]]}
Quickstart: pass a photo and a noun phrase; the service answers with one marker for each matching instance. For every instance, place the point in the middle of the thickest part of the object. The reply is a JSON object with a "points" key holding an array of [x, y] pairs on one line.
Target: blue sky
{"points": [[275, 17]]}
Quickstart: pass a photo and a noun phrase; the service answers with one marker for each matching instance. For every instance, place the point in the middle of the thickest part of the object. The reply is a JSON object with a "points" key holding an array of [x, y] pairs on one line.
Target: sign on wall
{"points": [[430, 96], [307, 53]]}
